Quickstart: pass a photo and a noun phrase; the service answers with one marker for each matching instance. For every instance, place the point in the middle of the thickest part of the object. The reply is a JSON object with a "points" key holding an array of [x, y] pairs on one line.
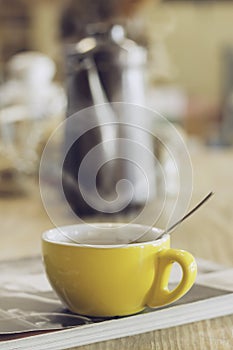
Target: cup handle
{"points": [[160, 294]]}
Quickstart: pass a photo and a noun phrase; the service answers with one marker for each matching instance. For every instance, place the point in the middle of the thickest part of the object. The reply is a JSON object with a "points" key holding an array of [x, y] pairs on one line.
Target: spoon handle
{"points": [[190, 212]]}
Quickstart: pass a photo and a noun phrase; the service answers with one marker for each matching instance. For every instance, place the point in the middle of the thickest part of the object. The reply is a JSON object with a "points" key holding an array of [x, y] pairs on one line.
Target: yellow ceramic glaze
{"points": [[116, 280]]}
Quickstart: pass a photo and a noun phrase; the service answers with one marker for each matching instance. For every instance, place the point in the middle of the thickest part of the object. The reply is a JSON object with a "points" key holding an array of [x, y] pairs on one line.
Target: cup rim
{"points": [[155, 242]]}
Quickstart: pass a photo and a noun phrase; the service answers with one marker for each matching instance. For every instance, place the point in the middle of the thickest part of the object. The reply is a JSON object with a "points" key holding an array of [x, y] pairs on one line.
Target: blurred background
{"points": [[189, 44], [188, 69], [59, 56]]}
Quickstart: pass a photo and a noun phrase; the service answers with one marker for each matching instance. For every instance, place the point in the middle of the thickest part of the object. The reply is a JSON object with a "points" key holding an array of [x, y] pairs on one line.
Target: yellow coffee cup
{"points": [[95, 273]]}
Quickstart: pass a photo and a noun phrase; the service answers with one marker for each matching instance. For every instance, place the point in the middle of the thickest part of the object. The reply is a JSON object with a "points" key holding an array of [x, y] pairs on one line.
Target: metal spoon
{"points": [[172, 227]]}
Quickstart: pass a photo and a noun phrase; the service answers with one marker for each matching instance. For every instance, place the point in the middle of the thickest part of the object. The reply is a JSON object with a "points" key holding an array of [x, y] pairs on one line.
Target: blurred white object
{"points": [[19, 138], [32, 68], [30, 84], [31, 105]]}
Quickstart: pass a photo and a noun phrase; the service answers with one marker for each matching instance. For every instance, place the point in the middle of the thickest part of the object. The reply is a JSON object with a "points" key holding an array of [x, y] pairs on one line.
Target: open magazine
{"points": [[32, 317]]}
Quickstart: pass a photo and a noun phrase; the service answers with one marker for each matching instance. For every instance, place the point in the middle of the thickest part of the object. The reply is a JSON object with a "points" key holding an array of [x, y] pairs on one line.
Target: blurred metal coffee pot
{"points": [[102, 69]]}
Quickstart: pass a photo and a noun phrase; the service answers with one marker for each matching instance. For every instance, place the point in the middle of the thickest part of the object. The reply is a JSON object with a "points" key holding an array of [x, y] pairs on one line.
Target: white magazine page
{"points": [[222, 279]]}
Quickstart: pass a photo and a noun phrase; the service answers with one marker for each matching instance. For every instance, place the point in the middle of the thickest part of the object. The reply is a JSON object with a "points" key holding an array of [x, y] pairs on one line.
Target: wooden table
{"points": [[208, 234]]}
